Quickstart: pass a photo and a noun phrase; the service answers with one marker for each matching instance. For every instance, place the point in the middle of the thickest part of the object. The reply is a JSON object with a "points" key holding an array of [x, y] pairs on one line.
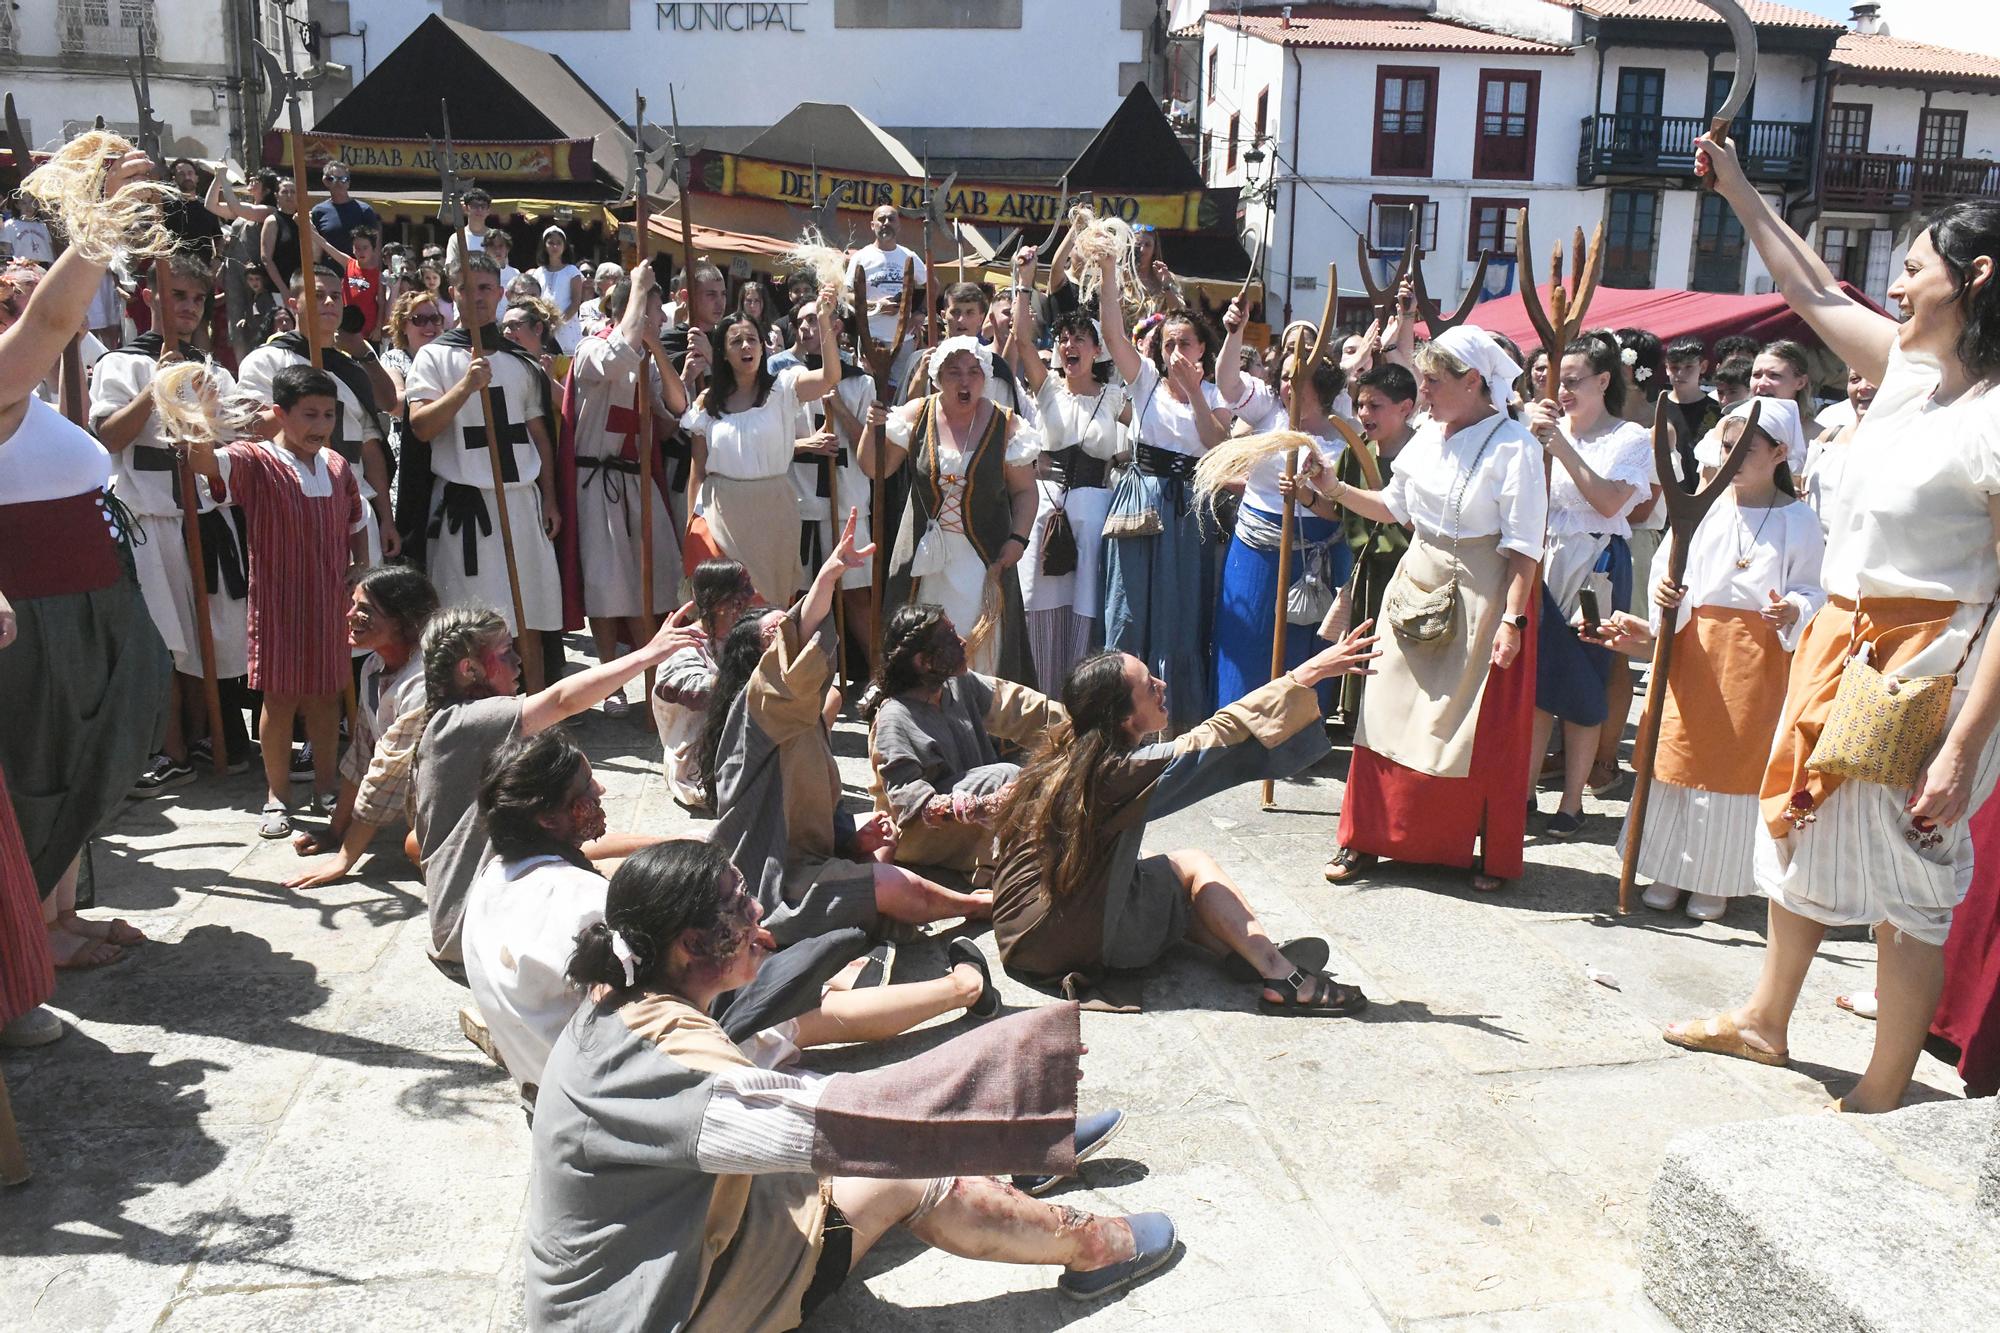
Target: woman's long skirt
{"points": [[1155, 593], [1248, 601], [85, 689], [1968, 1013], [757, 524], [27, 972], [1390, 810]]}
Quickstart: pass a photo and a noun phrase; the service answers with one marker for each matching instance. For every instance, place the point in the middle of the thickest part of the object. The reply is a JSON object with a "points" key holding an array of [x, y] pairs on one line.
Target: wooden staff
{"points": [[880, 361], [641, 392], [1684, 514], [1303, 361], [451, 200]]}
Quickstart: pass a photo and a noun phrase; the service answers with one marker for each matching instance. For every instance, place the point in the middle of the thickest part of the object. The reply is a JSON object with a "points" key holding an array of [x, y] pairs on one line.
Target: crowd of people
{"points": [[1056, 530]]}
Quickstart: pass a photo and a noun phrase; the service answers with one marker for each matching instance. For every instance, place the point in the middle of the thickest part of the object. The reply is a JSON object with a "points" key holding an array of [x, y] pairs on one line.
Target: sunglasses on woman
{"points": [[429, 321]]}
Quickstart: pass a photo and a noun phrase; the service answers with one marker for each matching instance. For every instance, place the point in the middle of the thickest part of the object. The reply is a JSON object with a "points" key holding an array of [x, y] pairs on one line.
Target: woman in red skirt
{"points": [[308, 540], [1440, 766]]}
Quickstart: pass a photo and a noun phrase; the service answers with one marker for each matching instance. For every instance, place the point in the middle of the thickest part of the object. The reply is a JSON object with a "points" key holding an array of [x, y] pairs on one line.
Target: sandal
{"points": [[1308, 954], [963, 950], [1349, 864], [1330, 999], [116, 931], [1719, 1035], [277, 821]]}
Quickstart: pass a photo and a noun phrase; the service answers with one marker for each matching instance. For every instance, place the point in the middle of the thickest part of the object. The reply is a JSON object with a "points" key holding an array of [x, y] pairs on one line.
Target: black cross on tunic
{"points": [[508, 432]]}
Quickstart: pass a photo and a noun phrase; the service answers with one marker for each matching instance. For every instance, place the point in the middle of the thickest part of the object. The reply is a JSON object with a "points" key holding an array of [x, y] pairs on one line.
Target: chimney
{"points": [[1867, 19], [1285, 19]]}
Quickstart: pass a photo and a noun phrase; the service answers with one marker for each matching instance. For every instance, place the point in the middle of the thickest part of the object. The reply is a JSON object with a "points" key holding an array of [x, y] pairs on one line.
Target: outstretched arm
{"points": [[586, 689], [819, 598], [1111, 318]]}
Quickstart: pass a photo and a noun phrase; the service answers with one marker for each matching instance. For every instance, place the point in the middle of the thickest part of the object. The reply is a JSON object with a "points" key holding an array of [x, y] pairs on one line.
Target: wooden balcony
{"points": [[1890, 182], [1633, 145]]}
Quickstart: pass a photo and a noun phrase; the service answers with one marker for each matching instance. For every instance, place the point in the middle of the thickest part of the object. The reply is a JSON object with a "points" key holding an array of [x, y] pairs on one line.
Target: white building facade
{"points": [[65, 62], [1586, 112]]}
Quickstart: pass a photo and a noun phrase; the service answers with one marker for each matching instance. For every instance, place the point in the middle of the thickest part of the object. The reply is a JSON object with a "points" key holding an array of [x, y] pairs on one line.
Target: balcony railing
{"points": [[1618, 144], [1889, 182]]}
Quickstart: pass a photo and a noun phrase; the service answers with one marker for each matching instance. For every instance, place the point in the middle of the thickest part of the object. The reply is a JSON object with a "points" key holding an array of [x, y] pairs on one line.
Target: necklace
{"points": [[1743, 553]]}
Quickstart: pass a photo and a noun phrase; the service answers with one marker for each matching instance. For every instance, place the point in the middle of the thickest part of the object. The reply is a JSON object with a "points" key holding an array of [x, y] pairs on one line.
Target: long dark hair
{"points": [[1962, 232], [1202, 330], [405, 595], [1079, 324], [910, 632], [741, 650], [722, 379], [1600, 350], [657, 893], [1054, 803], [1648, 355], [523, 781], [715, 584]]}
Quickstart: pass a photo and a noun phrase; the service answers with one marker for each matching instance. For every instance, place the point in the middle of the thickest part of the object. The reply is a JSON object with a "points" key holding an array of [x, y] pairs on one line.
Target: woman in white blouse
{"points": [[1157, 557], [1082, 410], [1912, 568], [1440, 766], [971, 506], [1752, 583], [744, 426], [1604, 470]]}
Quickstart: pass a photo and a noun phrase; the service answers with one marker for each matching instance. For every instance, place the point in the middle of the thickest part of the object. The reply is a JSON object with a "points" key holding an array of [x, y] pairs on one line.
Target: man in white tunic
{"points": [[467, 562], [610, 551], [145, 477]]}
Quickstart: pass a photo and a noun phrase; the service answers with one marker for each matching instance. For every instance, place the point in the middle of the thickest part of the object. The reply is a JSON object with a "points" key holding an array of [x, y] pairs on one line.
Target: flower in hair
{"points": [[1642, 374], [1630, 356]]}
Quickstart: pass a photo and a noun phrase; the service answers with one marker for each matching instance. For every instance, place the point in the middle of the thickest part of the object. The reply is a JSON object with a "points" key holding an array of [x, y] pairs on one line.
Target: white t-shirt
{"points": [[1165, 422], [521, 923], [1260, 488], [1089, 420], [885, 278], [1783, 547], [29, 240], [459, 451], [754, 443], [555, 286], [1623, 452], [1502, 495]]}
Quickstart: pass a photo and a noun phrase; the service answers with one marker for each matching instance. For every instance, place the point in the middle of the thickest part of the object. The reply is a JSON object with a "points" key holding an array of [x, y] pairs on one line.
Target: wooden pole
{"points": [[641, 391], [14, 1168], [1684, 514]]}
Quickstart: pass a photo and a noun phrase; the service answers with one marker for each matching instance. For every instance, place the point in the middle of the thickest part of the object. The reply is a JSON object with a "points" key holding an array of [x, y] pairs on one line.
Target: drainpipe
{"points": [[1298, 170]]}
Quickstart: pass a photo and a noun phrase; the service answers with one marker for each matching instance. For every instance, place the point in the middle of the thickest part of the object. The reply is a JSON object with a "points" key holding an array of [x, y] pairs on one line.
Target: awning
{"points": [[711, 242], [1667, 314], [422, 206]]}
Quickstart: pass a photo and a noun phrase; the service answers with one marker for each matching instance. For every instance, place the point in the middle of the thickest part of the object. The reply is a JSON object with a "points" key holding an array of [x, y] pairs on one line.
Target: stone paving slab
{"points": [[268, 1119]]}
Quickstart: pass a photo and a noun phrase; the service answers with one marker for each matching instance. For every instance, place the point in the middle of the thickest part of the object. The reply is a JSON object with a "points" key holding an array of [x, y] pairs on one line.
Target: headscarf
{"points": [[1475, 348], [1776, 417], [962, 343]]}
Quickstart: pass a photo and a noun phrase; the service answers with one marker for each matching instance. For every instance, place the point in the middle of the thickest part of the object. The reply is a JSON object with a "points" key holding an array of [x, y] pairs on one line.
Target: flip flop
{"points": [[1308, 954], [963, 950], [1719, 1035], [1847, 1002]]}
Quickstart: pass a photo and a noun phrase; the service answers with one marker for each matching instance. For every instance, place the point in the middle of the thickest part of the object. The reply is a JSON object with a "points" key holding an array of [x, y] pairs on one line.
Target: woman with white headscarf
{"points": [[971, 507], [1440, 768]]}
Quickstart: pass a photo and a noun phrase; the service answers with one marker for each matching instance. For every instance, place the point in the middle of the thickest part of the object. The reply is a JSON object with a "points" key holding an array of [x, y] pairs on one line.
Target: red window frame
{"points": [[1214, 61], [1427, 219], [1487, 147], [1263, 110], [1235, 132], [1841, 118], [1509, 211], [1392, 151]]}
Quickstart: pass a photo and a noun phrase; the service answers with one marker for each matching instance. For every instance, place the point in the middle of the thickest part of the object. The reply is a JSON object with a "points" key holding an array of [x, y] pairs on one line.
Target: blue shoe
{"points": [[1092, 1133], [1153, 1240]]}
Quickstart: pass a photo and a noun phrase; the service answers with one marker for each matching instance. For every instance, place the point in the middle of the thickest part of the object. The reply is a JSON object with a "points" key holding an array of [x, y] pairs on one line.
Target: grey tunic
{"points": [[452, 839]]}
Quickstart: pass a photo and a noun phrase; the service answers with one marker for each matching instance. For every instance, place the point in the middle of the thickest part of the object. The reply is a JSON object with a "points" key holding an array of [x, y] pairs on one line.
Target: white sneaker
{"points": [[38, 1027]]}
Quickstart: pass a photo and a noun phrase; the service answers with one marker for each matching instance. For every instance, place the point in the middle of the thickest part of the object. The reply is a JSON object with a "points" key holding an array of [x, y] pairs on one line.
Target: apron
{"points": [[1724, 696], [1421, 707]]}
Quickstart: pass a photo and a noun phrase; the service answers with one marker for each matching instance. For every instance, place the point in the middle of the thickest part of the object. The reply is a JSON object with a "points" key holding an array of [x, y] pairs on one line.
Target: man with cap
{"points": [[590, 316]]}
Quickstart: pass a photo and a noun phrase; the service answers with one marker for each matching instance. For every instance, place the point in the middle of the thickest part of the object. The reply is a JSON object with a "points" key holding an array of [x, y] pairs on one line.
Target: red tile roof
{"points": [[1762, 12], [1886, 57], [1348, 28]]}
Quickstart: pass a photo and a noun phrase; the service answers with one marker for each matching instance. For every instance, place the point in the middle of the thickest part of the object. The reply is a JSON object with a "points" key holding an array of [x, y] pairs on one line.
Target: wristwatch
{"points": [[1519, 622]]}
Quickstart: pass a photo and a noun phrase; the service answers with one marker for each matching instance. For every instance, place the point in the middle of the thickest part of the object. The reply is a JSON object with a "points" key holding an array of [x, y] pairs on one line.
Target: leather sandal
{"points": [[1329, 999], [1349, 864]]}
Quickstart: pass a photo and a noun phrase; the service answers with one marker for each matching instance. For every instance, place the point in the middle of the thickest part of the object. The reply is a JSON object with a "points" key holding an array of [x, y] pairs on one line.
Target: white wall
{"points": [[1892, 127], [1058, 70], [1784, 89]]}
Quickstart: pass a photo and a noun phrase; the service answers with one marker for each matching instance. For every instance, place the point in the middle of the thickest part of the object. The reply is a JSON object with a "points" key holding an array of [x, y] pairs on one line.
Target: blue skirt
{"points": [[1248, 599], [1570, 675], [1154, 602]]}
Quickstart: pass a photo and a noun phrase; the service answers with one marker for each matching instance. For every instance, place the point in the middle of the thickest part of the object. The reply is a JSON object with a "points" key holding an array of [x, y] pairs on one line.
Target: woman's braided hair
{"points": [[910, 633], [454, 634]]}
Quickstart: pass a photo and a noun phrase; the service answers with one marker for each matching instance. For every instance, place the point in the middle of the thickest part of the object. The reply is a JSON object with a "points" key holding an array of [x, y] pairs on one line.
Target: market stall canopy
{"points": [[537, 121], [1667, 314], [837, 137]]}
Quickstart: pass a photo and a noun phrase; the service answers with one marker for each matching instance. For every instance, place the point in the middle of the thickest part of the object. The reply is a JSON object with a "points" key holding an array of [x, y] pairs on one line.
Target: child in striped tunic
{"points": [[308, 541]]}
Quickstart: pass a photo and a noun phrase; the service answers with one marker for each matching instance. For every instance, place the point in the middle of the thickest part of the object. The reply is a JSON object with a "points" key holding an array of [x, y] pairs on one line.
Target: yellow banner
{"points": [[486, 163], [998, 204]]}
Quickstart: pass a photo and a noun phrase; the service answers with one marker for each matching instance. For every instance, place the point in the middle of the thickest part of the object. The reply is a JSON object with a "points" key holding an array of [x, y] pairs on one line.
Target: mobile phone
{"points": [[1588, 599]]}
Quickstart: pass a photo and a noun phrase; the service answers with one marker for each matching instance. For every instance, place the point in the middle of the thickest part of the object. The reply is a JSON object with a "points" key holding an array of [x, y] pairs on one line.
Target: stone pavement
{"points": [[268, 1118]]}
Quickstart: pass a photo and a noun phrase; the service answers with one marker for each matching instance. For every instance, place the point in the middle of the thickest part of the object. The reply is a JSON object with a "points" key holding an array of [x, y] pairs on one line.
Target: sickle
{"points": [[1743, 35]]}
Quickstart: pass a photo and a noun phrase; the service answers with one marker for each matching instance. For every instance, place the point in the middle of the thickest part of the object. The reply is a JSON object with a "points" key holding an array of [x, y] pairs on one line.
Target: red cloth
{"points": [[1390, 810], [27, 972], [1667, 313], [364, 289], [49, 548], [1968, 1013], [298, 570]]}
